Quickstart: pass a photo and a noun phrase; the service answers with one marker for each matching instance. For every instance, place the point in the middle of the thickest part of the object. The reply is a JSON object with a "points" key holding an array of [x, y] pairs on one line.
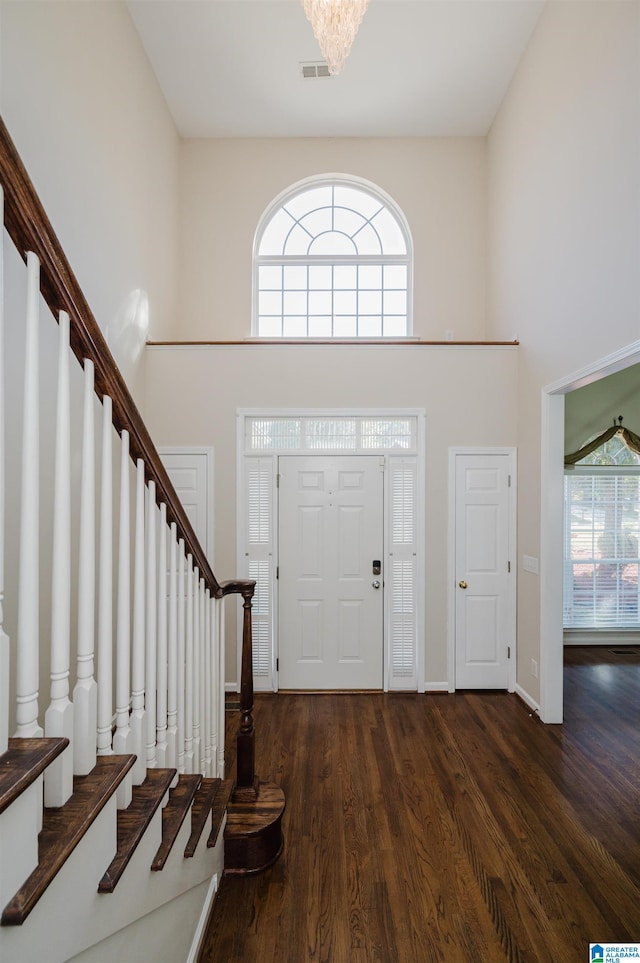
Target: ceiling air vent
{"points": [[311, 71]]}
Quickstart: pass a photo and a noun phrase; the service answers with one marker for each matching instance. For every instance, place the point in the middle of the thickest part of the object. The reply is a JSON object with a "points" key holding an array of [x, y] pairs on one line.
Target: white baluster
{"points": [[172, 655], [221, 688], [188, 686], [85, 693], [123, 736], [138, 716], [161, 692], [151, 623], [58, 720], [214, 680], [197, 670], [181, 654], [28, 588], [105, 589], [203, 666], [4, 638], [208, 706]]}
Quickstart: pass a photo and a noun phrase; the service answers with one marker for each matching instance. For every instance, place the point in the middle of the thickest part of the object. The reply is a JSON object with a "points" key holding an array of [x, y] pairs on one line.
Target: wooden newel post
{"points": [[253, 837], [247, 781]]}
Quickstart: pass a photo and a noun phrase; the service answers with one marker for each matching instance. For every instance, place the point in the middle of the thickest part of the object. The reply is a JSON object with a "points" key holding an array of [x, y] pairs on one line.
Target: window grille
{"points": [[333, 259], [335, 433]]}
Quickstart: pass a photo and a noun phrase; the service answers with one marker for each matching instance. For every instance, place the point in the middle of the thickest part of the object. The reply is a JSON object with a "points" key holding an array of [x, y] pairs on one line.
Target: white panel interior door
{"points": [[190, 472], [484, 583], [331, 603]]}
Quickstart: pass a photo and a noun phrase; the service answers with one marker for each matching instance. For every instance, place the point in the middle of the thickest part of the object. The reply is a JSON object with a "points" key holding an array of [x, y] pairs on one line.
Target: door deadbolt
{"points": [[462, 583], [376, 567]]}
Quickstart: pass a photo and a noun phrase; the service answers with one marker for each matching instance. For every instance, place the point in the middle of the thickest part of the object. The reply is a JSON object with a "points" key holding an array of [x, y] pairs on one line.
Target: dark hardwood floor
{"points": [[454, 828]]}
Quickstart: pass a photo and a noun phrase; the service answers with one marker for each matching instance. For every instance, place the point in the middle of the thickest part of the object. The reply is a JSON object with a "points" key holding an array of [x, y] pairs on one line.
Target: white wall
{"points": [[564, 227], [82, 105], [226, 185], [464, 391]]}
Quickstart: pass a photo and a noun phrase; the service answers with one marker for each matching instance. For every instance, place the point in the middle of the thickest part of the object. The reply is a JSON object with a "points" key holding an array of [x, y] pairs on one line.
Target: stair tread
{"points": [[253, 837], [63, 828], [246, 818], [23, 762], [174, 814], [133, 822], [219, 809], [200, 811]]}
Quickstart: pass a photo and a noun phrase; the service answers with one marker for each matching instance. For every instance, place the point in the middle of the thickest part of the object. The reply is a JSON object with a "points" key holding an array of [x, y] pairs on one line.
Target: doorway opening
{"points": [[552, 523]]}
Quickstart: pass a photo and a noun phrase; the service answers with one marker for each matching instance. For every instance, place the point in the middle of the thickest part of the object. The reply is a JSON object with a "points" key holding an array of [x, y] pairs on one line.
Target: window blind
{"points": [[602, 533]]}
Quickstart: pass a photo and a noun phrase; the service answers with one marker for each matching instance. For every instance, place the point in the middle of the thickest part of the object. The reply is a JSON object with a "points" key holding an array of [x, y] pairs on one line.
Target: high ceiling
{"points": [[231, 68]]}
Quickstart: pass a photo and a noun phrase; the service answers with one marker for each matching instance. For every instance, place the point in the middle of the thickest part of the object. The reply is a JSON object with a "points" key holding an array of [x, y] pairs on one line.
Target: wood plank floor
{"points": [[453, 828]]}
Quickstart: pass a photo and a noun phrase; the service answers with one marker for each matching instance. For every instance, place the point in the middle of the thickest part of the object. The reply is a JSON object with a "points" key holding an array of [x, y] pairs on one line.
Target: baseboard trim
{"points": [[602, 637], [436, 687], [204, 919], [527, 699]]}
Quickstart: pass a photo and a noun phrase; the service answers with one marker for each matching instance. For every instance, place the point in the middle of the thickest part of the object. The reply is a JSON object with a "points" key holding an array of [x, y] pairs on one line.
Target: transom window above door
{"points": [[332, 259]]}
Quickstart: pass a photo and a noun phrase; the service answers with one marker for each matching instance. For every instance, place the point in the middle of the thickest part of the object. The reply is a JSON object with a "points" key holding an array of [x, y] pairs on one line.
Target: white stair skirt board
{"points": [[164, 935], [84, 917]]}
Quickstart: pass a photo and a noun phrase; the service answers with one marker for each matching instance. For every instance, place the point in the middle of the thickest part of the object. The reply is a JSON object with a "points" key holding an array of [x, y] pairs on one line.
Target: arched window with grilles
{"points": [[333, 259]]}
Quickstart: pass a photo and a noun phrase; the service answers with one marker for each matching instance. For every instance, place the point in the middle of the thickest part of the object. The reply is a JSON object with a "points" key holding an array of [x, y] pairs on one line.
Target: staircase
{"points": [[116, 820]]}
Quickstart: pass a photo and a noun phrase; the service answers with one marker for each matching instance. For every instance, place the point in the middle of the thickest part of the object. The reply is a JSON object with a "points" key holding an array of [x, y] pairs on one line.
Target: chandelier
{"points": [[335, 24]]}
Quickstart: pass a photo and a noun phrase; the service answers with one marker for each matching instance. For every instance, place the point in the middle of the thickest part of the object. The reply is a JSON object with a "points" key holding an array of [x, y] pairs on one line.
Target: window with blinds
{"points": [[401, 574], [259, 490], [602, 535], [335, 433]]}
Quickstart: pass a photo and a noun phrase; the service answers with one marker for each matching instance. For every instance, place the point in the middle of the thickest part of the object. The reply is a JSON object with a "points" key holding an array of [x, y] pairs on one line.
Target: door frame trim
{"points": [[420, 456], [512, 454]]}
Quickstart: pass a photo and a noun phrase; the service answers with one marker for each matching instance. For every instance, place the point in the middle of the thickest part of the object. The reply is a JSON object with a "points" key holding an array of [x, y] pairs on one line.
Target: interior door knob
{"points": [[376, 583], [462, 583]]}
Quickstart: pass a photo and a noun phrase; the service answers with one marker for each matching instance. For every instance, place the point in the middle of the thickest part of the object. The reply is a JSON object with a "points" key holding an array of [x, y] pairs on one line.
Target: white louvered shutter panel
{"points": [[259, 484], [401, 573]]}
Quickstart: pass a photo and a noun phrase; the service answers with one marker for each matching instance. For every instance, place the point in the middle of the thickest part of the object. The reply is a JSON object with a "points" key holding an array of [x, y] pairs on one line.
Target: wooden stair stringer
{"points": [[174, 814], [63, 829], [133, 822]]}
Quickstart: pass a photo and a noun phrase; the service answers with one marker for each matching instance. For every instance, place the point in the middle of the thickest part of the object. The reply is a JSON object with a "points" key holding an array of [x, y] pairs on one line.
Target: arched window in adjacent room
{"points": [[332, 259]]}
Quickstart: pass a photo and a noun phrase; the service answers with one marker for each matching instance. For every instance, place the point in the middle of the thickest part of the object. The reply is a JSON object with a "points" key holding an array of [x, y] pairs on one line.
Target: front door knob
{"points": [[462, 583], [376, 583]]}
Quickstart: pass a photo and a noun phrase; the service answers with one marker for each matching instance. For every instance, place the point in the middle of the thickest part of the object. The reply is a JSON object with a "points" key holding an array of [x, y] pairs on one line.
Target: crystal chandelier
{"points": [[335, 24]]}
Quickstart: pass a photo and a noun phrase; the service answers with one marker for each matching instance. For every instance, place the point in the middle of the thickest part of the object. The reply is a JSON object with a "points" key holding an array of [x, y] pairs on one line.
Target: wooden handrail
{"points": [[30, 230]]}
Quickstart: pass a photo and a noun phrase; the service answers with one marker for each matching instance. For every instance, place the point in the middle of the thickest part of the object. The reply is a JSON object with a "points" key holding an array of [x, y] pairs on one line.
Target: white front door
{"points": [[331, 600], [484, 582]]}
